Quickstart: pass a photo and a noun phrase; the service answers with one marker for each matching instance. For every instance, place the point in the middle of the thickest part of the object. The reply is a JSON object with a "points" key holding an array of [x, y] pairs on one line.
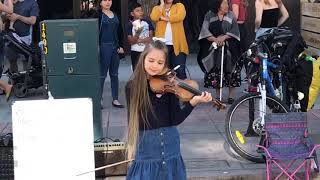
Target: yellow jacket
{"points": [[177, 15]]}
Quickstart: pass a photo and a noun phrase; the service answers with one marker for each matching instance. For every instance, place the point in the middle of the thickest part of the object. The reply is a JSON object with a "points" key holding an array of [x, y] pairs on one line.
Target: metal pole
{"points": [[221, 71], [76, 9]]}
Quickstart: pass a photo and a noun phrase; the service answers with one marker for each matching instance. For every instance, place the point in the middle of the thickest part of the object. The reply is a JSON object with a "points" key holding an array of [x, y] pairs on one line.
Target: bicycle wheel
{"points": [[243, 124]]}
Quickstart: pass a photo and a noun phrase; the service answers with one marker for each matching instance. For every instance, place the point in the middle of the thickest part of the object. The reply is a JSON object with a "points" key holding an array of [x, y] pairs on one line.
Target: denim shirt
{"points": [[109, 30]]}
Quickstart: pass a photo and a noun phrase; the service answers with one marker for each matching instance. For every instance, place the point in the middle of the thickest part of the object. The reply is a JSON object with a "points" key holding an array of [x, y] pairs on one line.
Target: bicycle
{"points": [[245, 118]]}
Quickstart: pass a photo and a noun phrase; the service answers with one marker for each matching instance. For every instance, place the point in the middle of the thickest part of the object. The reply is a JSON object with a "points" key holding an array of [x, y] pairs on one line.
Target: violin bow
{"points": [[107, 166]]}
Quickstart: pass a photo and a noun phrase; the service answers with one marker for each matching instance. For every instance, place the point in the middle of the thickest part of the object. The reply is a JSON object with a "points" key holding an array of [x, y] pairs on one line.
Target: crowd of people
{"points": [[224, 25]]}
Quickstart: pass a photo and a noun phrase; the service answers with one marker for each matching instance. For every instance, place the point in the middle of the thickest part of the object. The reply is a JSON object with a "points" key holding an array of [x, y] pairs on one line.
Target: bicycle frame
{"points": [[264, 85]]}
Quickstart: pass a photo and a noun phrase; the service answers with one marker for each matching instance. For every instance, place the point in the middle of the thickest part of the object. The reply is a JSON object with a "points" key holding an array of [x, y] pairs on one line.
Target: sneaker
{"points": [[245, 79], [116, 104]]}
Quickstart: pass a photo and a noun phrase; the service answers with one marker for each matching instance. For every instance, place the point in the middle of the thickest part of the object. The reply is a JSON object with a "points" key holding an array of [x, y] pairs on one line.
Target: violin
{"points": [[184, 89]]}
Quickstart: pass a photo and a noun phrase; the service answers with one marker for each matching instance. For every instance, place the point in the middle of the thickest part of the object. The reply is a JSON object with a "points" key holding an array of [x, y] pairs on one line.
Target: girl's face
{"points": [[154, 62], [106, 4], [224, 7]]}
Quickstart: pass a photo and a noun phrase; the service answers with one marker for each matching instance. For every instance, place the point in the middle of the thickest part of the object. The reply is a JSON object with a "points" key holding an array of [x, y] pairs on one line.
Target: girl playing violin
{"points": [[153, 139]]}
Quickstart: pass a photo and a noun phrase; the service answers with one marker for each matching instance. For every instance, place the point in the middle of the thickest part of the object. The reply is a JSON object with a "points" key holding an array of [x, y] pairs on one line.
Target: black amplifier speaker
{"points": [[6, 157], [110, 153]]}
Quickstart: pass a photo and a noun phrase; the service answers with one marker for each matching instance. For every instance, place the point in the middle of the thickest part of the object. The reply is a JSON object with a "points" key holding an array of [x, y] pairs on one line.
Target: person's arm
{"points": [[31, 20], [120, 38], [27, 20], [147, 39], [120, 35], [133, 39], [205, 32], [180, 15], [7, 7], [178, 114], [156, 13], [284, 13], [233, 32], [235, 10], [259, 11]]}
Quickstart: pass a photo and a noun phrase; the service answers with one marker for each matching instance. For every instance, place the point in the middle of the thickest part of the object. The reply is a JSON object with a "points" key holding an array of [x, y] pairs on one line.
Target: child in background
{"points": [[153, 138], [140, 32]]}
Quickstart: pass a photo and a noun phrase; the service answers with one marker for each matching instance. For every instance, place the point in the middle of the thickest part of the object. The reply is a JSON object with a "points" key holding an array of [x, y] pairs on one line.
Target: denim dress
{"points": [[158, 156]]}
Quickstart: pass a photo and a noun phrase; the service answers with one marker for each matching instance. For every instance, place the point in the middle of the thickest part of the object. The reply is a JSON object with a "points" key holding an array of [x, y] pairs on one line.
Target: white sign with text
{"points": [[53, 139]]}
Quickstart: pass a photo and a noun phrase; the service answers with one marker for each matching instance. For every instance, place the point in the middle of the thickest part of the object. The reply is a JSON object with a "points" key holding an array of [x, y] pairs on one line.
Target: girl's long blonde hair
{"points": [[139, 104]]}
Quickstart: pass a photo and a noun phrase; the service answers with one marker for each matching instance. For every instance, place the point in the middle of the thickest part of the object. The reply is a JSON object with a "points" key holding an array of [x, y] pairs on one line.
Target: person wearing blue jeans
{"points": [[109, 61], [110, 38]]}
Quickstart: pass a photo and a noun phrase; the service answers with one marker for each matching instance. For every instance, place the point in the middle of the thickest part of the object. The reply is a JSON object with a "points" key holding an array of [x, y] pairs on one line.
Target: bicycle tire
{"points": [[250, 153]]}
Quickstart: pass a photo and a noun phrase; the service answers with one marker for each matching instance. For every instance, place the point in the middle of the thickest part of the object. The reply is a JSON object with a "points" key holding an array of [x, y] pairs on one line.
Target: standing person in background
{"points": [[24, 16], [7, 8], [268, 15], [239, 9], [220, 27], [111, 38], [140, 32], [169, 16], [153, 137]]}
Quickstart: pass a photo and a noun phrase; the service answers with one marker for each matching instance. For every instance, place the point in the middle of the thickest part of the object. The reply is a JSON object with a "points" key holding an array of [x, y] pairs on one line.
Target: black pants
{"points": [[134, 59], [243, 44], [174, 60], [243, 38]]}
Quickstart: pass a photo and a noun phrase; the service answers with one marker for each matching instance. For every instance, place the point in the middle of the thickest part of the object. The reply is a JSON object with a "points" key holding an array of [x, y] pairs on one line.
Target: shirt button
{"points": [[162, 153], [163, 162], [161, 134], [161, 143]]}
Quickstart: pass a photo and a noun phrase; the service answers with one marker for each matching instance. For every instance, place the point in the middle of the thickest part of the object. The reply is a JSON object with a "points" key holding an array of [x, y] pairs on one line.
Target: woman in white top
{"points": [[7, 7], [269, 14]]}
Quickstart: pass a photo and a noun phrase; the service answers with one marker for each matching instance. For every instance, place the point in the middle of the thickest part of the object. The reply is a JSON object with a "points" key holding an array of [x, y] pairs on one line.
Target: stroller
{"points": [[31, 76]]}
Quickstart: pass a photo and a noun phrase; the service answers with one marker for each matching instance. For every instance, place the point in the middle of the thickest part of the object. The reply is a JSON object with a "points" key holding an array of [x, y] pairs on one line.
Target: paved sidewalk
{"points": [[203, 141]]}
